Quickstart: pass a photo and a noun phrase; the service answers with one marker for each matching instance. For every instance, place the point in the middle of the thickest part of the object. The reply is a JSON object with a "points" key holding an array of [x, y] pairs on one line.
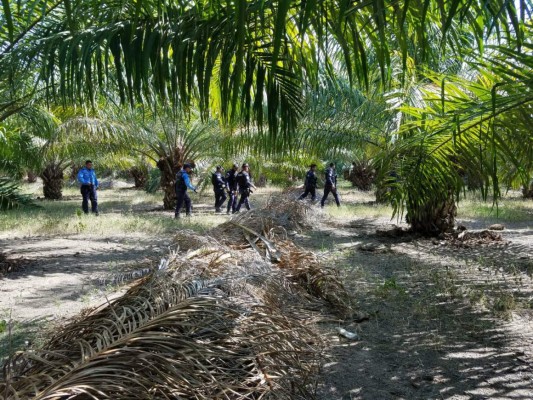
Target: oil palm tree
{"points": [[242, 59]]}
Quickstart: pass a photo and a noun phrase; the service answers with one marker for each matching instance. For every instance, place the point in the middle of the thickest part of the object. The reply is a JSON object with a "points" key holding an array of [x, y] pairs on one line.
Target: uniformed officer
{"points": [[89, 186], [219, 185], [183, 181], [330, 185], [245, 187], [310, 183], [231, 187]]}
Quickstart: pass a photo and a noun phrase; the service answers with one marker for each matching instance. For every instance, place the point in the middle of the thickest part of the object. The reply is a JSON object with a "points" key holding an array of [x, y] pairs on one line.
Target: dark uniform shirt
{"points": [[310, 179], [218, 181], [331, 177], [244, 181], [231, 180]]}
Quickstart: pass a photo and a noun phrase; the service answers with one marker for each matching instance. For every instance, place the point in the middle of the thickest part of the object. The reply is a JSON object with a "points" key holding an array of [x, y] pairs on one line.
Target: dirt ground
{"points": [[444, 322]]}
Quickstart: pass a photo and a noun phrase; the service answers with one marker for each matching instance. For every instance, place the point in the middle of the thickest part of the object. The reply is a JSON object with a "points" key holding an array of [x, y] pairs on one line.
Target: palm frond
{"points": [[10, 196]]}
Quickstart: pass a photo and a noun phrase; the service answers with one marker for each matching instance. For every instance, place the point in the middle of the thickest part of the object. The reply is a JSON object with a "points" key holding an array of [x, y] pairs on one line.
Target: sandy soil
{"points": [[440, 326]]}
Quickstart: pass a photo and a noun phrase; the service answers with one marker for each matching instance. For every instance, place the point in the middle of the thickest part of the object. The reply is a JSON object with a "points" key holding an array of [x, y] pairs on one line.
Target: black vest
{"points": [[180, 182]]}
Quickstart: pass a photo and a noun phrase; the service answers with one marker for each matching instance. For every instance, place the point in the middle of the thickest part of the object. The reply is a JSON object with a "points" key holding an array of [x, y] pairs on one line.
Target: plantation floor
{"points": [[444, 322]]}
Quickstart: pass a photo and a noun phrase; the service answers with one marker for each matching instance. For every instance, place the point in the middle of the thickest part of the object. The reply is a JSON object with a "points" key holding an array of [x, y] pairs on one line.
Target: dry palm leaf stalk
{"points": [[169, 340], [215, 321]]}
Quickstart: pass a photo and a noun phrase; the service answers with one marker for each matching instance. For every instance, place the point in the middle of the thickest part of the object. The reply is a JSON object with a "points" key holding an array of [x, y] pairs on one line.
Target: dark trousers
{"points": [[220, 198], [327, 190], [88, 192], [308, 190], [183, 197], [232, 201], [244, 200]]}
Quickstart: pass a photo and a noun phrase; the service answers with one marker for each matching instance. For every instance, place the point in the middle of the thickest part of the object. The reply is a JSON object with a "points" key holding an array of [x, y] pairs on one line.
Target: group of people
{"points": [[236, 184], [330, 184]]}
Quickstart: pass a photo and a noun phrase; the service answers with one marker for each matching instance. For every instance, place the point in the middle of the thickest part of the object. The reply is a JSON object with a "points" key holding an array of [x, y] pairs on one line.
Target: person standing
{"points": [[330, 185], [219, 185], [231, 187], [310, 183], [89, 186], [183, 182], [245, 187]]}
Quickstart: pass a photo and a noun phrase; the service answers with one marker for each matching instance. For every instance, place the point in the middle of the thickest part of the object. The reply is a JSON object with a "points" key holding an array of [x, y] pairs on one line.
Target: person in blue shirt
{"points": [[330, 185], [183, 182], [89, 186]]}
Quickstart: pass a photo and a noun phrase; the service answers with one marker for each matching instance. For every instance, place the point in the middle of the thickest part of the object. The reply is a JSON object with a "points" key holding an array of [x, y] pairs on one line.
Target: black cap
{"points": [[186, 166]]}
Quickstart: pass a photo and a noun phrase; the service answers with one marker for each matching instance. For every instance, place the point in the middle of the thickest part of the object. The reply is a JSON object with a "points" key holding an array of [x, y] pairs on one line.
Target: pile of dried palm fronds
{"points": [[230, 318], [204, 339]]}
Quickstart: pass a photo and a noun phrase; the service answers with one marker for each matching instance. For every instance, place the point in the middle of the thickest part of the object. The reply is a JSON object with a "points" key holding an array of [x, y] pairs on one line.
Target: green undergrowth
{"points": [[122, 211]]}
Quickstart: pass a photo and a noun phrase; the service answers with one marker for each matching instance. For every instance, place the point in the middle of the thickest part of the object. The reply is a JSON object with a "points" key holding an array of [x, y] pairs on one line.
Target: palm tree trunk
{"points": [[168, 177], [432, 218], [527, 190], [52, 177], [140, 175], [32, 177], [362, 175]]}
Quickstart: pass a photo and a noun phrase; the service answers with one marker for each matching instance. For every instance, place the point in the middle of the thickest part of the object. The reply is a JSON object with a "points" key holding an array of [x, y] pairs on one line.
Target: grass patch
{"points": [[510, 209], [121, 212], [365, 210]]}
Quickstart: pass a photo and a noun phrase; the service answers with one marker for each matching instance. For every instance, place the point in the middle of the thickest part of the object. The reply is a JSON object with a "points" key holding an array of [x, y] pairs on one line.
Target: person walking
{"points": [[231, 187], [219, 186], [330, 185], [89, 186], [245, 187], [183, 182], [310, 183]]}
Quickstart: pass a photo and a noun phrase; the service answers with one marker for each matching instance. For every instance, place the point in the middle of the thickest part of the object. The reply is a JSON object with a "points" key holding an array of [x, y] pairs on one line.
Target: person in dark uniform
{"points": [[219, 186], [89, 186], [231, 187], [183, 182], [310, 183], [330, 185], [245, 187]]}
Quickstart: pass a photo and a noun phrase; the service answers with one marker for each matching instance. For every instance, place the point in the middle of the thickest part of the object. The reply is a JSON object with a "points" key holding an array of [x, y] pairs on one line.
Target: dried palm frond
{"points": [[203, 348], [164, 339], [304, 267]]}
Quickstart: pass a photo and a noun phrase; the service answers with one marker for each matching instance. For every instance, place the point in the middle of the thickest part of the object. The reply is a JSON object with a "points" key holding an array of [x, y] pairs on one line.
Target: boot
{"points": [[177, 216]]}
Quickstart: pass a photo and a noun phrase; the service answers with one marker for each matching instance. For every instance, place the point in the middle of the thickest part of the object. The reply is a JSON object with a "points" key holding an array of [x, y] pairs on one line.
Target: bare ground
{"points": [[443, 322]]}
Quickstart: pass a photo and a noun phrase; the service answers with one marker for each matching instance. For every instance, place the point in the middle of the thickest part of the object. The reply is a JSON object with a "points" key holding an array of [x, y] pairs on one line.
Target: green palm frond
{"points": [[10, 196]]}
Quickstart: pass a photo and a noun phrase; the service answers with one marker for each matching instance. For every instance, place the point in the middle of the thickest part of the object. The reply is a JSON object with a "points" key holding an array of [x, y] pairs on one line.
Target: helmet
{"points": [[235, 165], [186, 166]]}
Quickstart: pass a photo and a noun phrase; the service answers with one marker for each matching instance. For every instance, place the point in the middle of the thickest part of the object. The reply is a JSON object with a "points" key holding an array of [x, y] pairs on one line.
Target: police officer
{"points": [[245, 187], [89, 186], [310, 183], [219, 185], [231, 187], [183, 181], [331, 185]]}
